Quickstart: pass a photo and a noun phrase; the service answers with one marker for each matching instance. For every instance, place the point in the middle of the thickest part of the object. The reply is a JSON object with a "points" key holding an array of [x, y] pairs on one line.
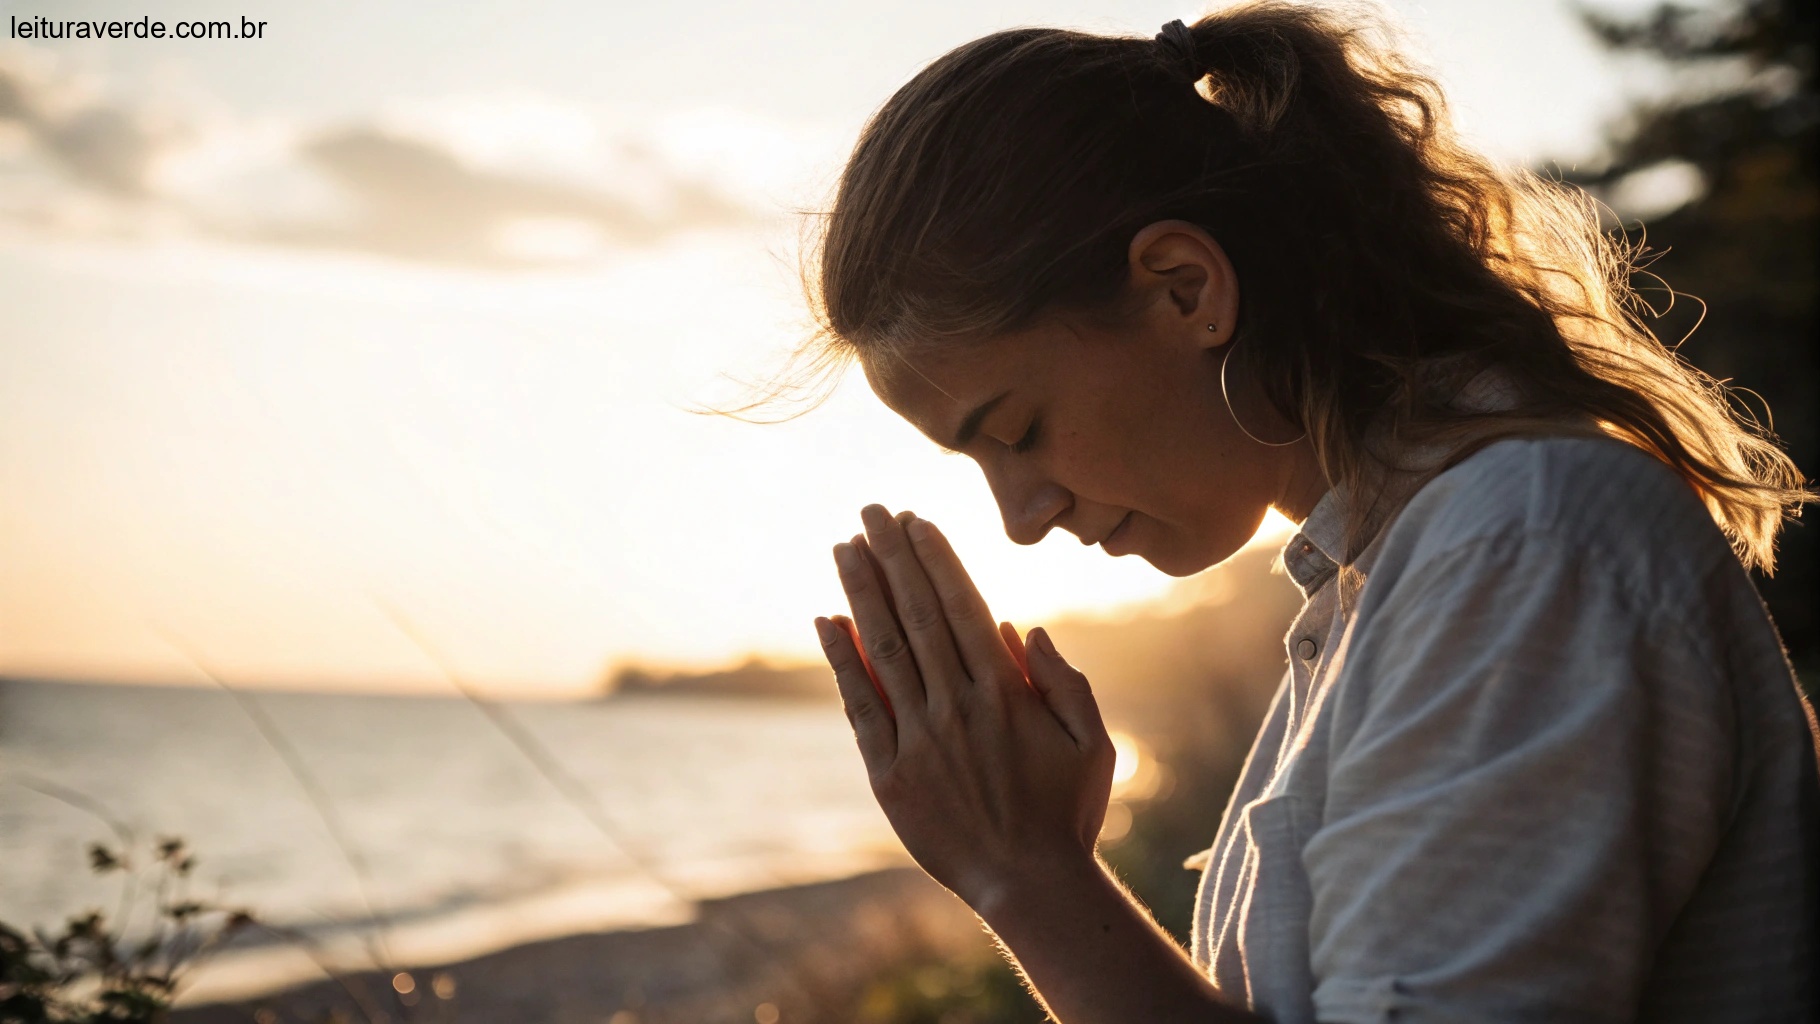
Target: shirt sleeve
{"points": [[1529, 766]]}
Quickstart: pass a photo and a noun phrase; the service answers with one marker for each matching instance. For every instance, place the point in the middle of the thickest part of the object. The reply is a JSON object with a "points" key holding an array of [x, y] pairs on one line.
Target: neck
{"points": [[1303, 482]]}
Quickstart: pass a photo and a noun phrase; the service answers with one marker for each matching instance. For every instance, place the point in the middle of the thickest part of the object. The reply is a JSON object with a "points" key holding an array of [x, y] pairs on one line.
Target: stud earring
{"points": [[1213, 327]]}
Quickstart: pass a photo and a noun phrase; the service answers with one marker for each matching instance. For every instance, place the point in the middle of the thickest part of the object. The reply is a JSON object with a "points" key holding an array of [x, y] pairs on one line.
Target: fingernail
{"points": [[1044, 644], [846, 557], [825, 630], [918, 529]]}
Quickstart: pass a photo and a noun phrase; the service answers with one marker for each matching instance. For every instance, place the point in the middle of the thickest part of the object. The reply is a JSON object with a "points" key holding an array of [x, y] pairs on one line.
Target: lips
{"points": [[1113, 539]]}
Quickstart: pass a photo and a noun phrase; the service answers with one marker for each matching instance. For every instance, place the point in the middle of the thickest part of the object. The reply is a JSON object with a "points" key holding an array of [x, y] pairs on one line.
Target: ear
{"points": [[1188, 278]]}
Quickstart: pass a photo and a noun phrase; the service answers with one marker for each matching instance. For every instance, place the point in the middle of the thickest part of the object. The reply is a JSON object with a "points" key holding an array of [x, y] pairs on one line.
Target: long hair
{"points": [[1382, 262]]}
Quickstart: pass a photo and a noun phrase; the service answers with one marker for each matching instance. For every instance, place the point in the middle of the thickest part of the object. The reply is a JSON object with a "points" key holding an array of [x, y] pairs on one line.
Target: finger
{"points": [[1066, 690], [1016, 643], [919, 611], [866, 707], [859, 541], [976, 636], [846, 625], [885, 647]]}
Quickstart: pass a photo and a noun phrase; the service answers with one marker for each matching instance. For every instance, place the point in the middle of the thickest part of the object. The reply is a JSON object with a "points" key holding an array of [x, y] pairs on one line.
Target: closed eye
{"points": [[1028, 441]]}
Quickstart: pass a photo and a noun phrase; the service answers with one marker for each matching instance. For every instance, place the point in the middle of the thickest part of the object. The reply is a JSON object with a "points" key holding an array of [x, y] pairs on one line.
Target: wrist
{"points": [[1037, 884]]}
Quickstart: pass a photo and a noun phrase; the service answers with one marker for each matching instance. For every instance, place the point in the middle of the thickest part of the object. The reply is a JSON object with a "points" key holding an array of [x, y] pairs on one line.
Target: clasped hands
{"points": [[988, 757]]}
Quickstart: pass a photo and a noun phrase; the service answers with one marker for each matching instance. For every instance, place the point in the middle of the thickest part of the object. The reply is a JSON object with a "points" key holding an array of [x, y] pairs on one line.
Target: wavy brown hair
{"points": [[1382, 262]]}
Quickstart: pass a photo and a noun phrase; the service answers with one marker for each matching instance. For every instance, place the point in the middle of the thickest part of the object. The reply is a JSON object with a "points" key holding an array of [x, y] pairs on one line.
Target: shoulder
{"points": [[1542, 584], [1599, 501]]}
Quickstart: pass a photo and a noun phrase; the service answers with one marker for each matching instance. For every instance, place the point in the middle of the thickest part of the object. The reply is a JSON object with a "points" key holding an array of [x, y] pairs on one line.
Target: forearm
{"points": [[1096, 957]]}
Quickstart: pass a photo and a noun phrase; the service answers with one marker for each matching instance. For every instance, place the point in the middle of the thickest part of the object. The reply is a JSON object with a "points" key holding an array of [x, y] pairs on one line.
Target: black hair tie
{"points": [[1178, 39]]}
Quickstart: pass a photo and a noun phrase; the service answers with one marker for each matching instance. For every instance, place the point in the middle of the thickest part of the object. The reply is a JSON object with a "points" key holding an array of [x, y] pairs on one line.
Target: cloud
{"points": [[489, 182], [417, 199], [95, 145]]}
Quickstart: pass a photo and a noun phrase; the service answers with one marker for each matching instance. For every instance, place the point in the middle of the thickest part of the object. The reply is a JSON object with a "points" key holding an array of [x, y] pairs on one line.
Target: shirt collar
{"points": [[1313, 555]]}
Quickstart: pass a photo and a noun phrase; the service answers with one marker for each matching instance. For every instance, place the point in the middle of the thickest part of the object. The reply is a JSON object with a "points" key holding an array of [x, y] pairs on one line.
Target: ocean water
{"points": [[467, 845]]}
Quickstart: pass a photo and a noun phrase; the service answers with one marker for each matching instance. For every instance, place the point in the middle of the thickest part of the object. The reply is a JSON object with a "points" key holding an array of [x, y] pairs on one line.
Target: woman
{"points": [[1538, 754]]}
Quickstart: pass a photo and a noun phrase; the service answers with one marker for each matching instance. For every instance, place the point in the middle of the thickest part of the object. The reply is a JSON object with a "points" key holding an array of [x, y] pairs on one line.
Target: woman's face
{"points": [[1118, 436]]}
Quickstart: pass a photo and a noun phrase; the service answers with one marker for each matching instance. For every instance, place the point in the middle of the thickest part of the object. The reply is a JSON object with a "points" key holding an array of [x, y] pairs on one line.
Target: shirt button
{"points": [[1306, 649]]}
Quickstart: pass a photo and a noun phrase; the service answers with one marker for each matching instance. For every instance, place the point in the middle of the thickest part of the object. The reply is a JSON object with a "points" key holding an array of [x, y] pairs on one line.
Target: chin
{"points": [[1182, 563], [1173, 563], [1179, 568]]}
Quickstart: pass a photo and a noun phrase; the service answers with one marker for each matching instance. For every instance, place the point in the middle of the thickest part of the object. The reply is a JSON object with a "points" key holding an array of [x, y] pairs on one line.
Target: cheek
{"points": [[1151, 435], [1099, 462], [1168, 455]]}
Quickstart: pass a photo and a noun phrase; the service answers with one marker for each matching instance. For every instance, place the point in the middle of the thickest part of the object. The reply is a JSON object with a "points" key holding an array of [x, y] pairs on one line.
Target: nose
{"points": [[1028, 503]]}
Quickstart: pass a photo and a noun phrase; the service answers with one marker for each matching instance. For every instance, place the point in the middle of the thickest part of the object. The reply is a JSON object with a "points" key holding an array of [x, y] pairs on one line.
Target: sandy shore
{"points": [[810, 951]]}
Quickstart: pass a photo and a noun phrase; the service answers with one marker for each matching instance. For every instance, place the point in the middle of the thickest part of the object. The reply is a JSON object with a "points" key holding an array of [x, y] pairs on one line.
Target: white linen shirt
{"points": [[1548, 763]]}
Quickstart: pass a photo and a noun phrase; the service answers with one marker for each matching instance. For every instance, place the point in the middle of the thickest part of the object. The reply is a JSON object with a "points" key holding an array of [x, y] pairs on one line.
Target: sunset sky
{"points": [[401, 305]]}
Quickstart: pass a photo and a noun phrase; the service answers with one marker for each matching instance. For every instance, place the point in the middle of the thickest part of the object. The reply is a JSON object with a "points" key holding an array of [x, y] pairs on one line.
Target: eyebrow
{"points": [[970, 426]]}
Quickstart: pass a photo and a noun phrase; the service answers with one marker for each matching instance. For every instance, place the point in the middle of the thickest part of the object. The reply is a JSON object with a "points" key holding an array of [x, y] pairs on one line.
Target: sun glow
{"points": [[295, 442], [284, 349]]}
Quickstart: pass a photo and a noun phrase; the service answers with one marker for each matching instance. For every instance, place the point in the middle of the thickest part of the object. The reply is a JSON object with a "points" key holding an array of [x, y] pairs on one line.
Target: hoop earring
{"points": [[1230, 345]]}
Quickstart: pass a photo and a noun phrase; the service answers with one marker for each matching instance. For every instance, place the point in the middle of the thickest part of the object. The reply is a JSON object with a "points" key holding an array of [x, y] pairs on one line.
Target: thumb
{"points": [[1065, 689]]}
